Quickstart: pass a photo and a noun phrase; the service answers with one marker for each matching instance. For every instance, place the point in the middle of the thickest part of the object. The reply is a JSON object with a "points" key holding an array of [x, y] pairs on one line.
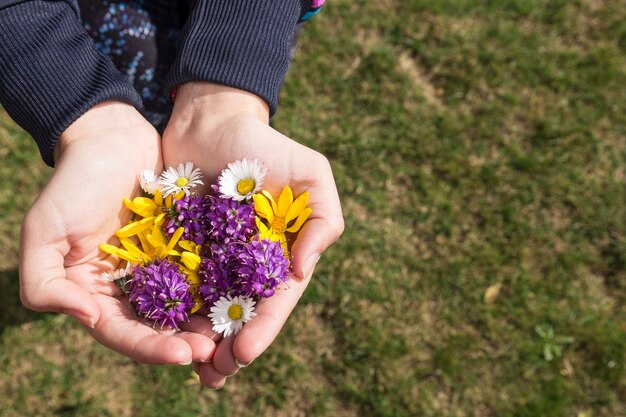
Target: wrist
{"points": [[217, 102], [110, 120]]}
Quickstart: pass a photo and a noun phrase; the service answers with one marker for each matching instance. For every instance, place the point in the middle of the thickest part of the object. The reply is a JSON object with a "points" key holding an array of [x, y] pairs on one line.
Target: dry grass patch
{"points": [[68, 368]]}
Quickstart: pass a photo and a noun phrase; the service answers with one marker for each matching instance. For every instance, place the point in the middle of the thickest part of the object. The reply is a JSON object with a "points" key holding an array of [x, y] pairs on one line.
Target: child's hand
{"points": [[97, 161], [213, 125]]}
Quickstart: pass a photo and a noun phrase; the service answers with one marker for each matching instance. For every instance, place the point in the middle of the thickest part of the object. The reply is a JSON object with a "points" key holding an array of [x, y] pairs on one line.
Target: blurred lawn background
{"points": [[479, 148]]}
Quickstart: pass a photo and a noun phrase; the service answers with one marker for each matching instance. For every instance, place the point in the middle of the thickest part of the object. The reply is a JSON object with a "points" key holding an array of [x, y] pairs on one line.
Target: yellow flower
{"points": [[153, 246], [190, 246], [150, 209], [191, 267], [274, 219]]}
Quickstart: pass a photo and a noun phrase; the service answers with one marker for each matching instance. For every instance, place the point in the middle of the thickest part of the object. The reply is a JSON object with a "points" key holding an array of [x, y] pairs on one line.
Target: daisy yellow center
{"points": [[245, 186], [278, 225], [182, 181], [235, 312]]}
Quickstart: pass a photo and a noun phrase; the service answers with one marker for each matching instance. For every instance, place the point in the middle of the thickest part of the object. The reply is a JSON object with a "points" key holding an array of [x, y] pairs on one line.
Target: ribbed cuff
{"points": [[239, 43], [50, 72]]}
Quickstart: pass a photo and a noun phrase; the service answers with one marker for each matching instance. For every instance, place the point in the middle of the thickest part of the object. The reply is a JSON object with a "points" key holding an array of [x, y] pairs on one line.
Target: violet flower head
{"points": [[262, 267], [218, 272], [230, 220], [190, 213], [160, 293]]}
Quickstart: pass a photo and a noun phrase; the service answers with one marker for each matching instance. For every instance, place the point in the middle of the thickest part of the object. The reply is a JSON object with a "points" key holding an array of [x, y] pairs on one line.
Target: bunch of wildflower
{"points": [[216, 254]]}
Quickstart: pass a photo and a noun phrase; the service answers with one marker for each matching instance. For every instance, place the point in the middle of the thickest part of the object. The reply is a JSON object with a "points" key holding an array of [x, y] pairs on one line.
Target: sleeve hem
{"points": [[51, 72]]}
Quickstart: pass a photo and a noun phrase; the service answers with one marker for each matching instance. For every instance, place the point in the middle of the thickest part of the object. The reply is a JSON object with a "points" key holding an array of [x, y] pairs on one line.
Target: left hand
{"points": [[97, 160], [212, 125]]}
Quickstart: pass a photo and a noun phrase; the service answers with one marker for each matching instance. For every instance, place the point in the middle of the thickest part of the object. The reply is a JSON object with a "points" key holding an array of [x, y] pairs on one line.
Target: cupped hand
{"points": [[97, 161], [212, 125]]}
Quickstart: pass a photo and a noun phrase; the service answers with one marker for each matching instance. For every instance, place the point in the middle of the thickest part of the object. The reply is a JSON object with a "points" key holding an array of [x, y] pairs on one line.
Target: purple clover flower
{"points": [[160, 293], [218, 272], [262, 267], [252, 269], [229, 219], [190, 213]]}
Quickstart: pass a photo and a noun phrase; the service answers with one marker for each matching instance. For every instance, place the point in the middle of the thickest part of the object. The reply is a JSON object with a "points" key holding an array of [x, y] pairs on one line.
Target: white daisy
{"points": [[184, 178], [149, 181], [115, 274], [242, 179], [229, 314]]}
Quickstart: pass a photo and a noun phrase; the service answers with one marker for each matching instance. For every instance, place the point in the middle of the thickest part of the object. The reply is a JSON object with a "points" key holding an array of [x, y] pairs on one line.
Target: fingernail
{"points": [[309, 265], [221, 386], [185, 362], [82, 318], [241, 364]]}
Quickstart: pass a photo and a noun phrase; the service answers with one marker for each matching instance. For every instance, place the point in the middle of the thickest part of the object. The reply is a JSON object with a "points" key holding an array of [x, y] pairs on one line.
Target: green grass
{"points": [[480, 153]]}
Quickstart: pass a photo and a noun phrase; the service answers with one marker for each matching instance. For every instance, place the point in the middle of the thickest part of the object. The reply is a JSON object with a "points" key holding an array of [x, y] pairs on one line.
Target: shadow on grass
{"points": [[12, 312]]}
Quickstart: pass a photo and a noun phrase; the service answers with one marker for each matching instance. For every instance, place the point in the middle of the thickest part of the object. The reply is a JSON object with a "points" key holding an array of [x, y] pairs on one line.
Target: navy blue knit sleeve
{"points": [[239, 43], [50, 72]]}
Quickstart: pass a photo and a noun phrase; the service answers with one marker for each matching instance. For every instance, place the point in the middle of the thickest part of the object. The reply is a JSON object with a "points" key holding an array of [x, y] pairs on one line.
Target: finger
{"points": [[97, 276], [201, 325], [202, 347], [119, 329], [320, 231], [210, 377], [43, 283], [224, 359], [271, 315]]}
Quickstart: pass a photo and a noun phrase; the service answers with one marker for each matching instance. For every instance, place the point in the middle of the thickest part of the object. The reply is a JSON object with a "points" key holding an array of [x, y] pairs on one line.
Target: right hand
{"points": [[97, 160], [212, 125]]}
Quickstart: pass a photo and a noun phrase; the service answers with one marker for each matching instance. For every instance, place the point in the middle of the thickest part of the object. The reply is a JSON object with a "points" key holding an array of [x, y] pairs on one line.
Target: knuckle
{"points": [[323, 162], [338, 226], [29, 300]]}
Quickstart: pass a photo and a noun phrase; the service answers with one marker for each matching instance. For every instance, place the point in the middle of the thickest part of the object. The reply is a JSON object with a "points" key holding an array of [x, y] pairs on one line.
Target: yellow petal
{"points": [[197, 305], [175, 237], [304, 215], [158, 198], [120, 253], [156, 238], [110, 249], [263, 208], [271, 200], [260, 225], [276, 237], [133, 249], [145, 245], [284, 201], [160, 252], [127, 256], [133, 228], [191, 260], [297, 207], [143, 206], [188, 245], [157, 232], [193, 279]]}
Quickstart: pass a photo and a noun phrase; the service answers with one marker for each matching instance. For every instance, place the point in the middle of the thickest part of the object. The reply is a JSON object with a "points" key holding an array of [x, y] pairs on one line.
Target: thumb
{"points": [[322, 229], [315, 236], [43, 282]]}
